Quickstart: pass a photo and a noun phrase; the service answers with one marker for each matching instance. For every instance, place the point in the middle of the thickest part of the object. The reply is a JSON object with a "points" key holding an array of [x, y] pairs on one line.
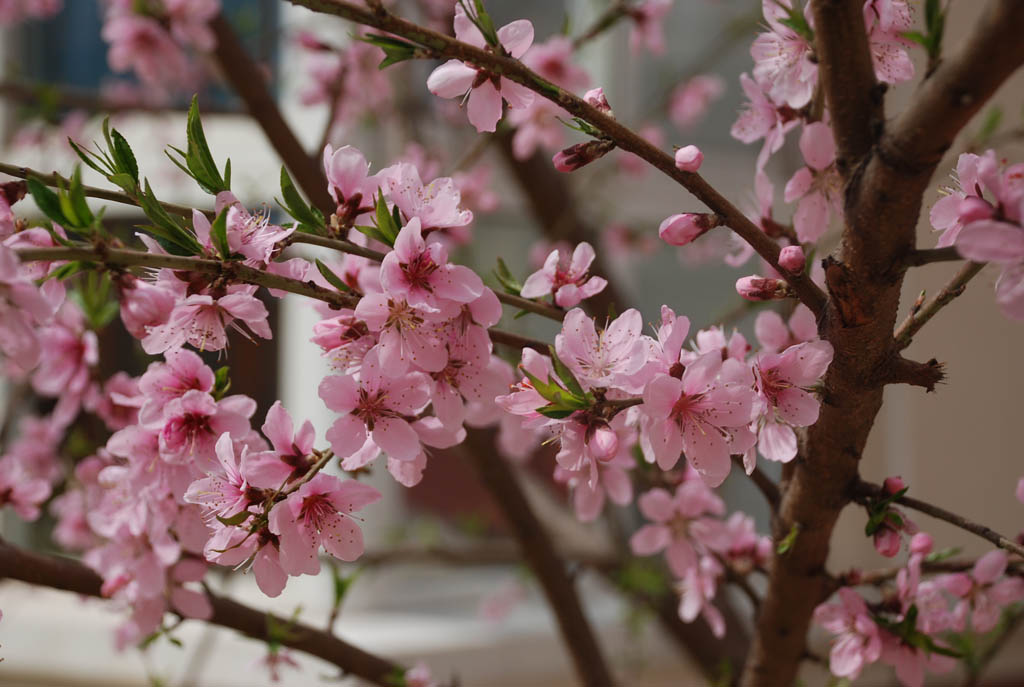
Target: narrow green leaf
{"points": [[47, 201], [123, 156], [236, 519], [565, 374], [219, 234], [198, 157], [76, 194], [333, 279], [221, 382], [296, 206], [786, 545], [90, 158]]}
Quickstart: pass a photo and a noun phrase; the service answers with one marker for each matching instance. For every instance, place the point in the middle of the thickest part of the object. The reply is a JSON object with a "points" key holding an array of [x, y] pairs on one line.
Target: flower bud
{"points": [[595, 97], [755, 288], [972, 209], [893, 485], [791, 259], [922, 543], [689, 158], [576, 156], [887, 542], [604, 443], [679, 230]]}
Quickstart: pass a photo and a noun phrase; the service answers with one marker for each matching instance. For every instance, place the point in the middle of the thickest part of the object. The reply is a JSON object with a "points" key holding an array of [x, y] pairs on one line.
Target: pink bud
{"points": [[595, 97], [576, 156], [1020, 490], [689, 158], [887, 542], [893, 485], [972, 209], [922, 543], [791, 259], [604, 443], [755, 288], [679, 230]]}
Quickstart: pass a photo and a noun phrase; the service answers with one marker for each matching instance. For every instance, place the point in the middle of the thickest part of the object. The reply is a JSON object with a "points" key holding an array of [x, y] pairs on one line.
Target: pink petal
{"points": [[396, 438], [516, 37], [484, 107], [650, 539], [451, 80], [991, 241], [342, 538]]}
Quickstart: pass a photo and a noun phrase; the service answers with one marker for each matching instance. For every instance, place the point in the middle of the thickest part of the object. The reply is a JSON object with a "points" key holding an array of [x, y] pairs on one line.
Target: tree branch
{"points": [[847, 77], [542, 558], [440, 45], [246, 79], [905, 334], [927, 256], [69, 575], [864, 491], [956, 90]]}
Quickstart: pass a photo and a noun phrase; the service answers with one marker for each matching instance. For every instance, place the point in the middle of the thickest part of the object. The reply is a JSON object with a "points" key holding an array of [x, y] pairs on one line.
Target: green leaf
{"points": [[343, 583], [311, 220], [76, 196], [555, 413], [171, 235], [219, 234], [123, 156], [919, 38], [198, 160], [786, 545], [47, 201], [92, 159], [69, 269], [943, 554], [221, 382], [333, 279], [236, 519], [566, 375], [505, 278], [395, 50], [386, 223]]}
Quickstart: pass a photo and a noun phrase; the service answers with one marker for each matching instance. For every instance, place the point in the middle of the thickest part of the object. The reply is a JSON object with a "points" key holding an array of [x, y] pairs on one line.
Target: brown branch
{"points": [[901, 370], [864, 491], [539, 552], [927, 256], [847, 77], [440, 45], [957, 90], [55, 179], [905, 334], [69, 575], [233, 271], [248, 81]]}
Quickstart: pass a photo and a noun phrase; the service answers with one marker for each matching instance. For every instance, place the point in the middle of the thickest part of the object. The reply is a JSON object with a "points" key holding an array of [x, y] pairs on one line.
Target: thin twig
{"points": [[905, 334], [865, 491], [926, 256]]}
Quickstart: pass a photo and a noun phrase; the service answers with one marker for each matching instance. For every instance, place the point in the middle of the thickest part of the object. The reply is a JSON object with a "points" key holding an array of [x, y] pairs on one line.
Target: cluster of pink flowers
{"points": [[906, 628], [150, 39], [984, 218]]}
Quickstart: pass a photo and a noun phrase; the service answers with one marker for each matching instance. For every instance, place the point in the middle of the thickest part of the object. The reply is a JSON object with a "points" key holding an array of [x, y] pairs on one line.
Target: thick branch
{"points": [[441, 45], [866, 490], [246, 79], [847, 77], [957, 89], [72, 576], [950, 291], [543, 559]]}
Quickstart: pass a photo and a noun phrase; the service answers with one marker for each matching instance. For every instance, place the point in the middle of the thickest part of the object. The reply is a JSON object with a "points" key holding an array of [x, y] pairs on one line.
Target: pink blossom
{"points": [[783, 382], [181, 371], [679, 522], [289, 457], [144, 305], [22, 306], [320, 512], [774, 335], [14, 11], [761, 118], [981, 593], [377, 406], [189, 21], [648, 17], [436, 205], [466, 376], [679, 230], [817, 186], [223, 492], [609, 358], [349, 182], [483, 90], [700, 415], [696, 590], [911, 662], [23, 492], [344, 340], [858, 641], [252, 235], [568, 279], [887, 22], [193, 422], [690, 100], [201, 320], [689, 158], [408, 336], [138, 43], [782, 58], [418, 272], [275, 658]]}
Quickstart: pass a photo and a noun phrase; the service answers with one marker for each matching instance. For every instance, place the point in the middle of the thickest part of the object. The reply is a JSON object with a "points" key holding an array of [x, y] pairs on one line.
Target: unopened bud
{"points": [[595, 97], [679, 230], [973, 209], [791, 259], [893, 485], [604, 443], [922, 543], [756, 288], [689, 158], [574, 157], [887, 542]]}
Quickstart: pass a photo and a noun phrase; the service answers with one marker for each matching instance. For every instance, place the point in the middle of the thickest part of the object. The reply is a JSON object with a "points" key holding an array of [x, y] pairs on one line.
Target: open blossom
{"points": [[378, 407], [22, 306], [320, 512], [418, 272], [887, 22], [761, 118], [679, 521], [437, 205], [202, 321], [858, 640], [20, 490], [783, 382], [697, 590], [484, 90], [567, 278], [252, 235], [189, 21], [408, 336], [774, 334], [981, 593], [609, 358], [700, 414], [290, 450], [817, 186], [192, 424], [140, 44], [783, 58]]}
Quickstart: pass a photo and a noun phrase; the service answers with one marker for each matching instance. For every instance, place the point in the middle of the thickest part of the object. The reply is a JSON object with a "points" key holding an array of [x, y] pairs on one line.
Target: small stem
{"points": [[866, 490], [926, 256], [954, 288]]}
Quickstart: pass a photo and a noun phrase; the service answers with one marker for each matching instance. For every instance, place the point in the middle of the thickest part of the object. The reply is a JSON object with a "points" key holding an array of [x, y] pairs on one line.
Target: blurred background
{"points": [[488, 624]]}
